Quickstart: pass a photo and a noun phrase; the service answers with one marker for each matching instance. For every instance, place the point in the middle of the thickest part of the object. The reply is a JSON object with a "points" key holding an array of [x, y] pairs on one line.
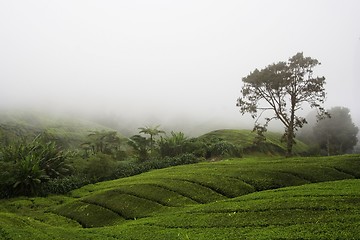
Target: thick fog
{"points": [[168, 61]]}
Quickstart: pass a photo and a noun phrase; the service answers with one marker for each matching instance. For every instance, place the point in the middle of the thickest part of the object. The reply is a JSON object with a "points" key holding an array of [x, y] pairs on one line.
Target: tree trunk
{"points": [[290, 141], [290, 130], [151, 144], [328, 145]]}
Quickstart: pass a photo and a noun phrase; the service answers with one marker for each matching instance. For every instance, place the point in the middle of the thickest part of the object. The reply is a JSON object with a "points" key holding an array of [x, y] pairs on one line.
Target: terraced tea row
{"points": [[162, 190], [329, 210], [216, 200]]}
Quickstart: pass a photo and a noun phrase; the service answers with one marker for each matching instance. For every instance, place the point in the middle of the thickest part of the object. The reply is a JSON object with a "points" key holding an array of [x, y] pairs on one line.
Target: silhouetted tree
{"points": [[141, 146], [283, 88], [102, 142], [152, 131], [336, 135]]}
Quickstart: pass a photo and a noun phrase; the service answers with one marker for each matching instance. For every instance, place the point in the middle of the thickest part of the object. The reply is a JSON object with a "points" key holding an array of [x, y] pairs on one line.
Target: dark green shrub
{"points": [[186, 158], [30, 165], [224, 149], [141, 147], [99, 167], [197, 147], [64, 185], [173, 145], [178, 144], [29, 176], [7, 179]]}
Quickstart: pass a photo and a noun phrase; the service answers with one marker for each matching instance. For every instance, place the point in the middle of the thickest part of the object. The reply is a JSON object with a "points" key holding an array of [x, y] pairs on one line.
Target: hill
{"points": [[245, 138], [69, 132], [251, 198]]}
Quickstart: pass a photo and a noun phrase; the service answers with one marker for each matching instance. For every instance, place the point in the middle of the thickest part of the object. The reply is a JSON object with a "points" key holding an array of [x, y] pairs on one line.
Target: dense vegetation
{"points": [[42, 164], [232, 184]]}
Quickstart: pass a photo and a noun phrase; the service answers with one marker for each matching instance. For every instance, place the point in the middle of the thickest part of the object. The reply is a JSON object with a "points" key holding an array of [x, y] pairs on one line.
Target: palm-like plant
{"points": [[140, 145], [102, 141], [53, 160], [34, 163], [29, 176], [173, 145], [152, 131]]}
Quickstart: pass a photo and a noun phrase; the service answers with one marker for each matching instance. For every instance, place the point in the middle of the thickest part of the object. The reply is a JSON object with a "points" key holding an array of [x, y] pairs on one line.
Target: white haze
{"points": [[153, 62]]}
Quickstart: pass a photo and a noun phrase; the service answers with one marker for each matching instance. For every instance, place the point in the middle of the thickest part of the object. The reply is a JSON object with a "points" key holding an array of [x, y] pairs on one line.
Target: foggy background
{"points": [[174, 63]]}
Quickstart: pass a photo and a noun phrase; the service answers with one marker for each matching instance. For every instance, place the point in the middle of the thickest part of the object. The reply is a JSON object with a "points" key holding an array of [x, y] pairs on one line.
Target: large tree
{"points": [[336, 135], [107, 142], [283, 88]]}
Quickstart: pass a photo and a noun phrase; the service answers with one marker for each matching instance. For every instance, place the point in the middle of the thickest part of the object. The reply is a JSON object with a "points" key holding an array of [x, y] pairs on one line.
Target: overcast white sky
{"points": [[145, 58]]}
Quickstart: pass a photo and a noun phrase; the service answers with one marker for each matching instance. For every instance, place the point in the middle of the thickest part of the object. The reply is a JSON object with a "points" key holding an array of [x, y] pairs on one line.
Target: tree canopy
{"points": [[336, 135], [283, 88], [152, 131]]}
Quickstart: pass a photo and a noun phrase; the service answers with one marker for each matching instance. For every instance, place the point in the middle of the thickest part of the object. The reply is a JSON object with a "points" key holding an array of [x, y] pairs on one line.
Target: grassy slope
{"points": [[244, 139], [227, 199]]}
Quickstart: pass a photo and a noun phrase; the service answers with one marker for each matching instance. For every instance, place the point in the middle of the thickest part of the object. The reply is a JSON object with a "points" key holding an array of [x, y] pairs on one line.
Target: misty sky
{"points": [[145, 58]]}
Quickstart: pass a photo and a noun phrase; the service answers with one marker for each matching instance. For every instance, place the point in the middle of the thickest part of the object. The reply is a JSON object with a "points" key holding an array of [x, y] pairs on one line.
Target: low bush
{"points": [[223, 148], [64, 185], [137, 168]]}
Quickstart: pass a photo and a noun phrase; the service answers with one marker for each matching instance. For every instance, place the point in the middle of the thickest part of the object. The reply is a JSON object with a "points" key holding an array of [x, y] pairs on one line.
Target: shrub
{"points": [[141, 147], [224, 149], [99, 167], [173, 145], [30, 165], [64, 185]]}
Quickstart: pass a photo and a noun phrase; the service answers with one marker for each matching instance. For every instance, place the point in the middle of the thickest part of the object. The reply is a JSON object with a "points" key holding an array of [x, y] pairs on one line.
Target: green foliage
{"points": [[173, 145], [152, 132], [99, 167], [225, 149], [64, 185], [29, 176], [283, 88], [141, 146], [104, 142], [30, 165]]}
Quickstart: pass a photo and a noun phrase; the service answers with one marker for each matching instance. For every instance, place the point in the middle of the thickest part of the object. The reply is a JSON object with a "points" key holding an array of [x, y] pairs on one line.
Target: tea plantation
{"points": [[249, 198]]}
